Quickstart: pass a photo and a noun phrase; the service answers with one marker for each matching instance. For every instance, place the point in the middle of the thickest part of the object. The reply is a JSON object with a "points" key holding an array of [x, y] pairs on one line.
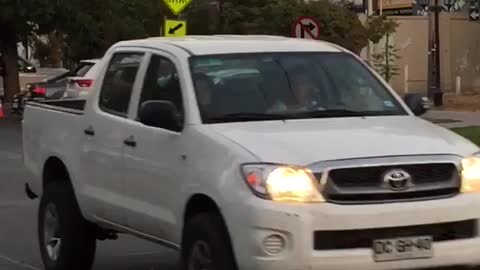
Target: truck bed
{"points": [[52, 128]]}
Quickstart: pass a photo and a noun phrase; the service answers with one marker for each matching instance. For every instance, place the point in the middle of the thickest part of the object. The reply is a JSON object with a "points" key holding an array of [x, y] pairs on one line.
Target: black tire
{"points": [[210, 229], [77, 237]]}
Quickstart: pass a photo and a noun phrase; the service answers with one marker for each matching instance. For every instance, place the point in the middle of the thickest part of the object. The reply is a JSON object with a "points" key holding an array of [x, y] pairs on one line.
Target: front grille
{"points": [[330, 240], [366, 184], [372, 176]]}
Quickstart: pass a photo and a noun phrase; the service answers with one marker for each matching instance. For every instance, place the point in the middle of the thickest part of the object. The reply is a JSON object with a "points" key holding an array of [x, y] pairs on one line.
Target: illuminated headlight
{"points": [[282, 183], [471, 173]]}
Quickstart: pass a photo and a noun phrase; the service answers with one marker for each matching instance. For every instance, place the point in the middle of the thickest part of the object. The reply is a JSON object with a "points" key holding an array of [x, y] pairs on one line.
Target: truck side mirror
{"points": [[417, 103], [161, 114]]}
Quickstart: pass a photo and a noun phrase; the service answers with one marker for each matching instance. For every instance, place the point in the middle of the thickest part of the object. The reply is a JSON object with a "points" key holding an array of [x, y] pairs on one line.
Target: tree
{"points": [[49, 49], [339, 24], [273, 17], [385, 60], [19, 18], [92, 26], [203, 17], [86, 28]]}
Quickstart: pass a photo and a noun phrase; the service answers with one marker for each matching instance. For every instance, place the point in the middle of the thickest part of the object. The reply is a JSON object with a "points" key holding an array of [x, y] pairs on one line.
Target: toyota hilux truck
{"points": [[251, 153]]}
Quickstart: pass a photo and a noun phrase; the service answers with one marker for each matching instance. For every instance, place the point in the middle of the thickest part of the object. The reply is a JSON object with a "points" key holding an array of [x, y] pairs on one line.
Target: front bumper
{"points": [[256, 219]]}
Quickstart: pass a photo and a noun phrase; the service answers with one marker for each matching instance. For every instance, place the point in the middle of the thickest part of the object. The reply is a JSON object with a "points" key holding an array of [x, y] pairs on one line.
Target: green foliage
{"points": [[274, 17], [203, 17], [49, 51], [91, 26], [18, 19], [385, 62], [28, 15], [338, 22], [379, 26]]}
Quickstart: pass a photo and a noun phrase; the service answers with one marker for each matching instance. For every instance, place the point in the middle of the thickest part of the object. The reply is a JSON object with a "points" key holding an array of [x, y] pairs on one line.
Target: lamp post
{"points": [[434, 75]]}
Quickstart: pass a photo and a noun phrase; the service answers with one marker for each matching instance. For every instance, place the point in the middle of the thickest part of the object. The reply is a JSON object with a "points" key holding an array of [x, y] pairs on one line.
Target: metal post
{"points": [[370, 43], [405, 79], [430, 53], [220, 16], [438, 95]]}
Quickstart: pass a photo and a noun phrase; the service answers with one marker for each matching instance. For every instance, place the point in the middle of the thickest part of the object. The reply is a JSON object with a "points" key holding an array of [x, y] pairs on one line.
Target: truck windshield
{"points": [[269, 86]]}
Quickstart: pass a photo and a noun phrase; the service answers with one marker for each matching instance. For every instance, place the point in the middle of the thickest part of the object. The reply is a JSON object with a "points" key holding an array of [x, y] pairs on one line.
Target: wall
{"points": [[412, 40], [459, 46], [463, 47]]}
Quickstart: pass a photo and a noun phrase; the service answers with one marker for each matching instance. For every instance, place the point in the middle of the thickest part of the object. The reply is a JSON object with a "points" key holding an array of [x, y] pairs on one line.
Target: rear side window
{"points": [[118, 83], [92, 71], [83, 69]]}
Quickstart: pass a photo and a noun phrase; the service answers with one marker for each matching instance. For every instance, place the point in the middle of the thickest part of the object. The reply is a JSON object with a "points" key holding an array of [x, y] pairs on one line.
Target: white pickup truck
{"points": [[251, 153]]}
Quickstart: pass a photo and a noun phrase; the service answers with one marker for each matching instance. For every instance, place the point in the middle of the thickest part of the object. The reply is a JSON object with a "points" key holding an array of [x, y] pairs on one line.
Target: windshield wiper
{"points": [[338, 113], [246, 116]]}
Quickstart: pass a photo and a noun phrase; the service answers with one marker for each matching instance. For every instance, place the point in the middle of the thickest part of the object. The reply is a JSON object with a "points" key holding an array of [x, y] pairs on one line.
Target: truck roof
{"points": [[225, 44]]}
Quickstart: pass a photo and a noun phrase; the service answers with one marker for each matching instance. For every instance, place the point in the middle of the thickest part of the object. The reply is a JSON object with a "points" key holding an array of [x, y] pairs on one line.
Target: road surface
{"points": [[18, 237]]}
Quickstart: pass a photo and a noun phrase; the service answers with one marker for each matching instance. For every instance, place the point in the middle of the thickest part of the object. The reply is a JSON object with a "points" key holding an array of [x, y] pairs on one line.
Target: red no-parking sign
{"points": [[306, 27]]}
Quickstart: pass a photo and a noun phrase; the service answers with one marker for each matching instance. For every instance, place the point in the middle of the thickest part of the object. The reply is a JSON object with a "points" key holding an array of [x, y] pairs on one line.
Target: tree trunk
{"points": [[387, 59], [8, 48]]}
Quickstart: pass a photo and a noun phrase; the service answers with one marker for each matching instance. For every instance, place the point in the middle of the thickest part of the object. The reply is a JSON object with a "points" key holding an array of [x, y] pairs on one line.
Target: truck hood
{"points": [[303, 142]]}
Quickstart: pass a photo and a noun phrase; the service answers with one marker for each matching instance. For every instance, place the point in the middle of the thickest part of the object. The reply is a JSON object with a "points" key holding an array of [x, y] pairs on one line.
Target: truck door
{"points": [[153, 163], [105, 131]]}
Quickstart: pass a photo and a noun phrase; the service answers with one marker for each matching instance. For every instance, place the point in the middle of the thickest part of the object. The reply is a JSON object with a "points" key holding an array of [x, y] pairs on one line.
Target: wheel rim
{"points": [[200, 257], [51, 235]]}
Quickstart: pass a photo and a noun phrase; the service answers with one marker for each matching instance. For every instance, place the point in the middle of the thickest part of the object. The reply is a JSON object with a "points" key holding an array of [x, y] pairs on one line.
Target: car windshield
{"points": [[267, 86]]}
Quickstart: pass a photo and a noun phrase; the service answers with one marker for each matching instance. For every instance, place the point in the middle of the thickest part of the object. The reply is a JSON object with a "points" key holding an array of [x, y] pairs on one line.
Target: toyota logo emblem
{"points": [[397, 179]]}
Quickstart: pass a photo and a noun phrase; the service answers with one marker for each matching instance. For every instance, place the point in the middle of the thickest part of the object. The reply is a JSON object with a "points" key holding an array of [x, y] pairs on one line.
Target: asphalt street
{"points": [[18, 234]]}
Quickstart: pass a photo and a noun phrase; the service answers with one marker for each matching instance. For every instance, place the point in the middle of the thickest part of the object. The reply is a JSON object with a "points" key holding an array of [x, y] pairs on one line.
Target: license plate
{"points": [[404, 248]]}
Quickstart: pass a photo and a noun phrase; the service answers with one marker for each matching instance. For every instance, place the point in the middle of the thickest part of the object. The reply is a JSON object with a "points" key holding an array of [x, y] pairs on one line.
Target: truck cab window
{"points": [[118, 83], [162, 83]]}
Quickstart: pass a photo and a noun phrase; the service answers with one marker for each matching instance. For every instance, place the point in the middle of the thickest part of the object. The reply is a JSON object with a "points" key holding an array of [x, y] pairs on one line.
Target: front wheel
{"points": [[67, 240], [206, 244]]}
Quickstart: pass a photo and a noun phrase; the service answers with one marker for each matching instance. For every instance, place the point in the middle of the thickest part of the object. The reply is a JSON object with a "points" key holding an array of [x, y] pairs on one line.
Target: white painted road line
{"points": [[18, 263]]}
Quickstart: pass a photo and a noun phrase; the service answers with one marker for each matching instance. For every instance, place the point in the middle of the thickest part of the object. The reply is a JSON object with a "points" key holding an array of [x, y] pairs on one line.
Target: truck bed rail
{"points": [[72, 106]]}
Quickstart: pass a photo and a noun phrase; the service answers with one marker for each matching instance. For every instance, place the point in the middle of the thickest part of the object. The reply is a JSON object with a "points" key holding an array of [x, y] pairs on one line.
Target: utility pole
{"points": [[434, 70], [220, 17], [438, 95], [370, 44]]}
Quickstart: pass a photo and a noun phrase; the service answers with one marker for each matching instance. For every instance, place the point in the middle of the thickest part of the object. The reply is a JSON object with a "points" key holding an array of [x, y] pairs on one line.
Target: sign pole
{"points": [[175, 27]]}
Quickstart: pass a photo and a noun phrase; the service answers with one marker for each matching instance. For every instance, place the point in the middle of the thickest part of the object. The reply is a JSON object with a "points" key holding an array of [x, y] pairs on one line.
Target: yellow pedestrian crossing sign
{"points": [[175, 28], [177, 6]]}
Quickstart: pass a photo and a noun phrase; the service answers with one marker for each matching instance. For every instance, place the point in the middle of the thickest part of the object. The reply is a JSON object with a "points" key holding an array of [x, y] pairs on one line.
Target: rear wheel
{"points": [[67, 240], [206, 244]]}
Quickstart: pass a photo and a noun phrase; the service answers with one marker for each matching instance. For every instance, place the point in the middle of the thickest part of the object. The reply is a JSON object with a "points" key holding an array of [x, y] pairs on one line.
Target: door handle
{"points": [[130, 141], [89, 131]]}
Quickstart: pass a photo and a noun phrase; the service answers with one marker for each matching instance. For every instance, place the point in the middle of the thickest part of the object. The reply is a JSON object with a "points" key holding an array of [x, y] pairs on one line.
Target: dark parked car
{"points": [[25, 66], [51, 88]]}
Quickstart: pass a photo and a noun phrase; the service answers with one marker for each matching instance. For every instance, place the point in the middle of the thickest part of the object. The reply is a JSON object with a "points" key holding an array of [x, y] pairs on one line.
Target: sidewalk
{"points": [[451, 119]]}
